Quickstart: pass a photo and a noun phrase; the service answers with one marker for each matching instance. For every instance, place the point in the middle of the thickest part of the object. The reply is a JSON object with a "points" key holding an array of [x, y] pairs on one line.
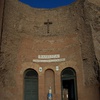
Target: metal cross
{"points": [[48, 25]]}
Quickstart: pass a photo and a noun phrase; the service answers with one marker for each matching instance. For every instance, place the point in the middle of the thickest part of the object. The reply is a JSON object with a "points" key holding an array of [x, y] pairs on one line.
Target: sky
{"points": [[47, 3]]}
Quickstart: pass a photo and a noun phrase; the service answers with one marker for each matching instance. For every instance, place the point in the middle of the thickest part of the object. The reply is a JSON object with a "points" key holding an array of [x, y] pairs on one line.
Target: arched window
{"points": [[30, 85], [69, 86]]}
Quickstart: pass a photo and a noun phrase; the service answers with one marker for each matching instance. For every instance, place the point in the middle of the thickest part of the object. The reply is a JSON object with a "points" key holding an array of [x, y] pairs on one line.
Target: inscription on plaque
{"points": [[49, 58]]}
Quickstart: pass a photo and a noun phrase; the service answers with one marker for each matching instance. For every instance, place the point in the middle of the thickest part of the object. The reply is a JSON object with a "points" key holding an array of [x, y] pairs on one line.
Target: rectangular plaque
{"points": [[48, 56], [49, 60]]}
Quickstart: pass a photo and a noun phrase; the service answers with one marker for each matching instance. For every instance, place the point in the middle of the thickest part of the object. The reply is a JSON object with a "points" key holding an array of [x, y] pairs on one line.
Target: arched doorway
{"points": [[30, 85], [69, 87]]}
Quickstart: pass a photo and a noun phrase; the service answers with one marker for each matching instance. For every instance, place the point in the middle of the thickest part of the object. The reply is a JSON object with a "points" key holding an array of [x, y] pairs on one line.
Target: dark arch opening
{"points": [[30, 85], [69, 84]]}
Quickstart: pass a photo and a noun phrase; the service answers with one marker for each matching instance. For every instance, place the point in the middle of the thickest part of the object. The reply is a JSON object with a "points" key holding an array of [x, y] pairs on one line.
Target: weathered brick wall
{"points": [[1, 19], [92, 12]]}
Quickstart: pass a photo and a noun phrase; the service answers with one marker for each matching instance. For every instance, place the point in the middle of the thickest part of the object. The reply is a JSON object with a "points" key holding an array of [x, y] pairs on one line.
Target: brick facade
{"points": [[25, 37]]}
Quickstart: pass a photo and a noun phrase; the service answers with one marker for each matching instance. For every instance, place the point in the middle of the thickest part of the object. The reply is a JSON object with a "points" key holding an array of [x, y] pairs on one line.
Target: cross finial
{"points": [[48, 25]]}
